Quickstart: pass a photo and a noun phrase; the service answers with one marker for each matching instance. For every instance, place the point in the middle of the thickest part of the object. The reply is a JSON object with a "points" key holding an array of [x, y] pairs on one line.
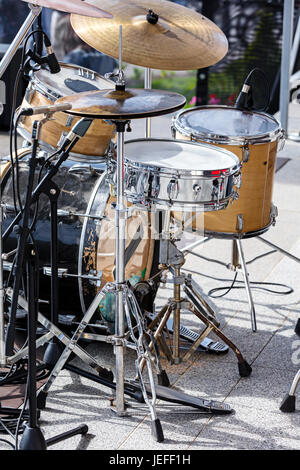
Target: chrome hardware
{"points": [[240, 222], [63, 213], [7, 266], [82, 169], [130, 179], [237, 180], [47, 271], [246, 152], [282, 140], [173, 188], [273, 214], [69, 121], [85, 74], [142, 185], [29, 93], [173, 132], [62, 138], [155, 186]]}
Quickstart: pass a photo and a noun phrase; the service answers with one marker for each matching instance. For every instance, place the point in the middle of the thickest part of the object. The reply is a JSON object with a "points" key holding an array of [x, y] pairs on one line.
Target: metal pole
{"points": [[288, 16], [120, 273], [120, 256], [295, 47], [2, 341], [148, 85]]}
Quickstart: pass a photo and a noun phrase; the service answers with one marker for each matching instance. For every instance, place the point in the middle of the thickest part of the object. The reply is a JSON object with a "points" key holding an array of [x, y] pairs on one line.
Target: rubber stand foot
{"points": [[32, 439], [244, 369], [157, 431], [288, 404], [106, 374], [163, 379], [297, 327], [41, 400]]}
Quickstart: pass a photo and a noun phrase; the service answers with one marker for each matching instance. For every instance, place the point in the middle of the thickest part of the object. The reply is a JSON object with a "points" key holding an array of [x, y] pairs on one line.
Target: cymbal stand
{"points": [[148, 85], [126, 304], [172, 259]]}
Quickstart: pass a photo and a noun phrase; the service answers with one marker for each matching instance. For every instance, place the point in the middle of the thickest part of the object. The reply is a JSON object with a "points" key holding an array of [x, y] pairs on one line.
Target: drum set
{"points": [[100, 211]]}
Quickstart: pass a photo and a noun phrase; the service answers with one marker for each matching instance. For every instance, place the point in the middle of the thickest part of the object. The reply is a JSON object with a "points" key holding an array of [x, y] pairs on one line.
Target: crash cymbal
{"points": [[133, 103], [179, 39], [72, 6]]}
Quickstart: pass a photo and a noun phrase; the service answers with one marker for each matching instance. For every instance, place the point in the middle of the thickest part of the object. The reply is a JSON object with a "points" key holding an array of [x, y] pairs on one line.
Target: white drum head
{"points": [[226, 123], [179, 155]]}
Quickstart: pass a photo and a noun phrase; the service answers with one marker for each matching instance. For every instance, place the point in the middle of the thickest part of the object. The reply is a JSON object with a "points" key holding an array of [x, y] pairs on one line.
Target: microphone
{"points": [[45, 109], [77, 132], [242, 101], [51, 57]]}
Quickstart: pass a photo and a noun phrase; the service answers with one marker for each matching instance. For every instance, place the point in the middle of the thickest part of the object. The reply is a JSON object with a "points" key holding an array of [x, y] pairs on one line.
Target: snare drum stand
{"points": [[172, 259]]}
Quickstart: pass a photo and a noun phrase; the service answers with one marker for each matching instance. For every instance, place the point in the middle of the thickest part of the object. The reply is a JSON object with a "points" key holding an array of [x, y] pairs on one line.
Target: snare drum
{"points": [[179, 174], [45, 88], [253, 137], [86, 236]]}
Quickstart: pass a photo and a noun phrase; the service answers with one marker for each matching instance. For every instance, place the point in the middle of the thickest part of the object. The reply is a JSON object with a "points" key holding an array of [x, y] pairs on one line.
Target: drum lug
{"points": [[173, 188], [246, 152], [130, 179], [173, 132], [29, 92], [274, 214], [282, 140], [155, 187], [237, 180], [240, 222], [69, 121]]}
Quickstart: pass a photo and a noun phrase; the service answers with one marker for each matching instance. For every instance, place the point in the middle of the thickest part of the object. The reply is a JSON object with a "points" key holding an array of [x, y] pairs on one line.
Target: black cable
{"points": [[13, 128], [228, 289], [255, 285], [20, 419]]}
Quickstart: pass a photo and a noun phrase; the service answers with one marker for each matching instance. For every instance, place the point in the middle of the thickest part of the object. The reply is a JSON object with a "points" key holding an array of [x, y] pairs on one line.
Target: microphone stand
{"points": [[32, 438]]}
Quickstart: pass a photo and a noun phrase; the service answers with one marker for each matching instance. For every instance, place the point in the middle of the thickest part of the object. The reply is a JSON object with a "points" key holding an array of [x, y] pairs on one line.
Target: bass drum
{"points": [[86, 236], [45, 88]]}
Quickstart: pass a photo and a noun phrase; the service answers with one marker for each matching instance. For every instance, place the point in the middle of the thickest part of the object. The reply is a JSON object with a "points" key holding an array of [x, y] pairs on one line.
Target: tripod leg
{"points": [[69, 348], [165, 313], [247, 284], [196, 344], [54, 331], [129, 300], [284, 252], [288, 404], [244, 368]]}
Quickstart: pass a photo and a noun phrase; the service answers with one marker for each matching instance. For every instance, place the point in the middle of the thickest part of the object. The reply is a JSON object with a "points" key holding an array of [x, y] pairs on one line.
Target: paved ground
{"points": [[273, 351]]}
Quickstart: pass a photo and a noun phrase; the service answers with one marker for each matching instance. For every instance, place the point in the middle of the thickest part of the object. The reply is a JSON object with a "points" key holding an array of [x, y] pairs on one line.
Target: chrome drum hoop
{"points": [[35, 84], [194, 189], [215, 138]]}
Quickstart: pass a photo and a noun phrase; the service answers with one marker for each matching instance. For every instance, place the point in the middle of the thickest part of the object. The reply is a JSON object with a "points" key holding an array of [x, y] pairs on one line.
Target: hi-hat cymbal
{"points": [[181, 39], [133, 103], [72, 6]]}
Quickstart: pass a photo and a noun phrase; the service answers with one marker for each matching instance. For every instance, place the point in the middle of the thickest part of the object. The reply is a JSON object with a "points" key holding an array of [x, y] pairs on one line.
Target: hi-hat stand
{"points": [[172, 260]]}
